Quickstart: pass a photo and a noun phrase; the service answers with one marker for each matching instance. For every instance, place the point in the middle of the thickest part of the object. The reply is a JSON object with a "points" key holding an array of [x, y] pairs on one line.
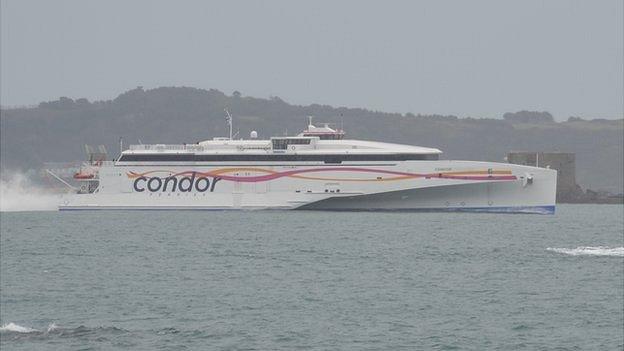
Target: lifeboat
{"points": [[83, 176]]}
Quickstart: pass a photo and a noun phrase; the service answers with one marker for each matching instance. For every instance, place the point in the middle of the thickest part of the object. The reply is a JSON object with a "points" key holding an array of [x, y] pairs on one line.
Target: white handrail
{"points": [[60, 179]]}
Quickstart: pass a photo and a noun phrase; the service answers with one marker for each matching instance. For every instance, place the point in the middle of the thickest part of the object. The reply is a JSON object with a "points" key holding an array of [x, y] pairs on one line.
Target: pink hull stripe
{"points": [[293, 173]]}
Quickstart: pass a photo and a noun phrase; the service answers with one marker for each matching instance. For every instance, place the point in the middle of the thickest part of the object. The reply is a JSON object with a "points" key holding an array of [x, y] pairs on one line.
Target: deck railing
{"points": [[157, 147], [195, 147]]}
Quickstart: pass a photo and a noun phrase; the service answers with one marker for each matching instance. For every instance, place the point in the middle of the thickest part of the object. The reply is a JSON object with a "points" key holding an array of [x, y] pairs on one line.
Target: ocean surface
{"points": [[274, 280]]}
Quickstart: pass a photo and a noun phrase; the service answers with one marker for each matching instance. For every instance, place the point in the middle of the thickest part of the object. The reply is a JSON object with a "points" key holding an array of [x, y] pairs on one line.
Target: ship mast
{"points": [[228, 118]]}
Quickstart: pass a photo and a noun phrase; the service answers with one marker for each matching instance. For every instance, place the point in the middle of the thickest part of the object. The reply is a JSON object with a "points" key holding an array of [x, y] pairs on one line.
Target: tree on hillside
{"points": [[528, 117]]}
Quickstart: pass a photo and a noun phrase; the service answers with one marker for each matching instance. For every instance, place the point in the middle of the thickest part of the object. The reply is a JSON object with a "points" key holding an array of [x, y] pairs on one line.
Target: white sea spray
{"points": [[16, 328], [590, 251], [19, 193]]}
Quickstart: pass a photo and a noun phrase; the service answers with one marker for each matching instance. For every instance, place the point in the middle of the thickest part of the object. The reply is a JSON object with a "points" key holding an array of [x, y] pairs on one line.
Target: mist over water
{"points": [[19, 193]]}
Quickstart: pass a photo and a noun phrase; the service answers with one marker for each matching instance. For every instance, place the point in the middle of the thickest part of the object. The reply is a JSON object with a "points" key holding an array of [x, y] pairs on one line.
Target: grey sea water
{"points": [[312, 280]]}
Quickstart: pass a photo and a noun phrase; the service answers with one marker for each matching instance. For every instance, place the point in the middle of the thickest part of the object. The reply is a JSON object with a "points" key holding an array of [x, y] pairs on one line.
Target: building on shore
{"points": [[568, 191], [563, 162]]}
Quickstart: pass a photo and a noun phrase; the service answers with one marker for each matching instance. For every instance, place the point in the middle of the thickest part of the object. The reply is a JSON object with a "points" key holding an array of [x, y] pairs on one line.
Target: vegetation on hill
{"points": [[57, 130]]}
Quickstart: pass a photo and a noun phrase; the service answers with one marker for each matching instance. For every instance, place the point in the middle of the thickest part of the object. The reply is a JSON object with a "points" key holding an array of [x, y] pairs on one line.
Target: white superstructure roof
{"points": [[315, 146]]}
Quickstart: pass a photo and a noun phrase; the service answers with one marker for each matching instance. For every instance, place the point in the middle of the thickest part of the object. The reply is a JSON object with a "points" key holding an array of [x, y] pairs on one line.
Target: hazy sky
{"points": [[468, 58]]}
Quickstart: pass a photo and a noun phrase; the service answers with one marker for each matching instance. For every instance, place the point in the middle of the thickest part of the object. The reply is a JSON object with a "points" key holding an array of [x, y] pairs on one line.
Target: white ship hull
{"points": [[401, 185]]}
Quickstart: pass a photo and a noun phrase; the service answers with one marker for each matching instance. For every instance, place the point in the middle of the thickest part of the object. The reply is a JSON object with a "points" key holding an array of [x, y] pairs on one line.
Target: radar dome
{"points": [[253, 134]]}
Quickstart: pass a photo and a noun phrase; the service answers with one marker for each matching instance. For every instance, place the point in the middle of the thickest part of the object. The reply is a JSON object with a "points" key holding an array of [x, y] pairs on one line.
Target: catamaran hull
{"points": [[484, 197], [406, 186]]}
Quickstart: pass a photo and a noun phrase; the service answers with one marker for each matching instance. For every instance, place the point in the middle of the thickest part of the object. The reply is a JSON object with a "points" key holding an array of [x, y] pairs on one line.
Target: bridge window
{"points": [[282, 144]]}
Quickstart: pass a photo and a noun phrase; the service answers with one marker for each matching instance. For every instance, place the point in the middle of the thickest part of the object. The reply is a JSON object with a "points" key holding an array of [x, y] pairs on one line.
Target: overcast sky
{"points": [[467, 58]]}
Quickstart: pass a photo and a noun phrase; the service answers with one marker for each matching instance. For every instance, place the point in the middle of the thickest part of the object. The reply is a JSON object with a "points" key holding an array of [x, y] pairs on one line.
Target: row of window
{"points": [[273, 157], [282, 144], [328, 136]]}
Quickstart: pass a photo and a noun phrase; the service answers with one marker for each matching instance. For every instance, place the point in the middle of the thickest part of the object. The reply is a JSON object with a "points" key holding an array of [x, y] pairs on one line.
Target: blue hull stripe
{"points": [[550, 209], [513, 209]]}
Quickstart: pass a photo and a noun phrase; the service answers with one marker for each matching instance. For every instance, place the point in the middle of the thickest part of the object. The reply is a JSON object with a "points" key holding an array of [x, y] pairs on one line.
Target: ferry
{"points": [[318, 169]]}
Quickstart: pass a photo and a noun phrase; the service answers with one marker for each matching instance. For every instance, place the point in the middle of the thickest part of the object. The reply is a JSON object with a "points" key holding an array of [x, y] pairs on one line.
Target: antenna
{"points": [[229, 120], [537, 159], [341, 122]]}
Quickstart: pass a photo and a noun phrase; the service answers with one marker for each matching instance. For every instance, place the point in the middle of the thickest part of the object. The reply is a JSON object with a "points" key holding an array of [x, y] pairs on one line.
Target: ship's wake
{"points": [[19, 193], [590, 251]]}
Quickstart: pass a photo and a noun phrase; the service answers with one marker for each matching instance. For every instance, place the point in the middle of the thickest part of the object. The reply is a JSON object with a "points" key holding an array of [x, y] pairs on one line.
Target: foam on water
{"points": [[18, 193], [54, 329], [16, 328], [590, 251]]}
